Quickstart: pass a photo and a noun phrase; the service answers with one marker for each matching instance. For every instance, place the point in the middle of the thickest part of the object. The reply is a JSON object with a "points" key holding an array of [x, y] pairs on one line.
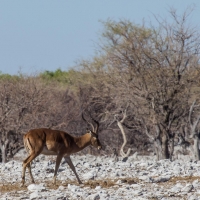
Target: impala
{"points": [[55, 142]]}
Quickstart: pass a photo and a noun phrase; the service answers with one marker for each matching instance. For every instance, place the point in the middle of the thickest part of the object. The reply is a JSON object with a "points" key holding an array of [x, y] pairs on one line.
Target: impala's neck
{"points": [[83, 141]]}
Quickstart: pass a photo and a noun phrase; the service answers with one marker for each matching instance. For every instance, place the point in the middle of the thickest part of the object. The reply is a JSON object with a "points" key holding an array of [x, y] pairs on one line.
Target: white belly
{"points": [[45, 151]]}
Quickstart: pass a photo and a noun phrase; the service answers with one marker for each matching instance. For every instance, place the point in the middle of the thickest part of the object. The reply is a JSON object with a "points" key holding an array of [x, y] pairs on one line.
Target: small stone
{"points": [[98, 188], [34, 187], [187, 188], [93, 197], [61, 187], [34, 195]]}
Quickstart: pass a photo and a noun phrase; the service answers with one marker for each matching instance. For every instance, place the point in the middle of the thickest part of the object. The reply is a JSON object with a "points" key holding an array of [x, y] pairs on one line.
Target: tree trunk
{"points": [[156, 141], [3, 152], [196, 147], [124, 141], [172, 149], [194, 132], [165, 150], [158, 149], [3, 148]]}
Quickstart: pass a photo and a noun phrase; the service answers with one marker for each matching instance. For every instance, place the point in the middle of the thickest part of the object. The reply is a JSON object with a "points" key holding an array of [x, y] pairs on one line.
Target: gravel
{"points": [[103, 178]]}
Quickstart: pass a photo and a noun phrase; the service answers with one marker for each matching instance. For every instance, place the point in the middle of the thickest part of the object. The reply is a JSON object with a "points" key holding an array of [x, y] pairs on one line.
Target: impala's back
{"points": [[47, 141]]}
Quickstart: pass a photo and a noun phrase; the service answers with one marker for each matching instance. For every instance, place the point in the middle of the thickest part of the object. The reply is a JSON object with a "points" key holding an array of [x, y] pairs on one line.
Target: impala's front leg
{"points": [[68, 160], [58, 160]]}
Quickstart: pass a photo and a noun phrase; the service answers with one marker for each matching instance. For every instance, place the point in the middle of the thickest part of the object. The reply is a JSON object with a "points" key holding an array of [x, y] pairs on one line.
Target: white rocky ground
{"points": [[103, 178]]}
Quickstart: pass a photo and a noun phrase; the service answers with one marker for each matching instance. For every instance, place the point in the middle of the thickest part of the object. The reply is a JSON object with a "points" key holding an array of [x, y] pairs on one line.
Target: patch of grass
{"points": [[106, 183], [184, 179], [103, 183], [4, 188]]}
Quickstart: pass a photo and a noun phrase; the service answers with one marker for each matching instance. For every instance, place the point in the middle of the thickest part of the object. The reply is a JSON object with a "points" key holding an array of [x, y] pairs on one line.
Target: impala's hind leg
{"points": [[29, 170], [26, 163]]}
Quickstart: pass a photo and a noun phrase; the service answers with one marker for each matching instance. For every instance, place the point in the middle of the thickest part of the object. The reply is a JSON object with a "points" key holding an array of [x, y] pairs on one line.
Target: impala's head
{"points": [[95, 140], [94, 133]]}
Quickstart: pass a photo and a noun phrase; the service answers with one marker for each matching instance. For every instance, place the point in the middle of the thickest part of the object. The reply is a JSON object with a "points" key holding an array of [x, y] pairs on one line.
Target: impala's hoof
{"points": [[54, 183], [22, 185]]}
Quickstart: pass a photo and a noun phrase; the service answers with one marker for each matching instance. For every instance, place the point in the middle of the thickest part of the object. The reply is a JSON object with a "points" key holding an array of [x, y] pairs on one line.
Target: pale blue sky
{"points": [[43, 35]]}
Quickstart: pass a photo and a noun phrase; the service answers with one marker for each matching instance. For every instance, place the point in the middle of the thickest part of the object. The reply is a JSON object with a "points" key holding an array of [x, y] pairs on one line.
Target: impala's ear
{"points": [[87, 130], [92, 134]]}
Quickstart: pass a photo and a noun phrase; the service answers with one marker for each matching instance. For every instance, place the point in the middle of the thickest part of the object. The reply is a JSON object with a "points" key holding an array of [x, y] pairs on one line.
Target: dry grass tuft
{"points": [[4, 188], [106, 183]]}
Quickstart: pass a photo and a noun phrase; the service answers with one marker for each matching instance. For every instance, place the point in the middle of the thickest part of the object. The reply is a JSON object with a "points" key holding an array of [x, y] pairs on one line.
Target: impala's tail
{"points": [[27, 144]]}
